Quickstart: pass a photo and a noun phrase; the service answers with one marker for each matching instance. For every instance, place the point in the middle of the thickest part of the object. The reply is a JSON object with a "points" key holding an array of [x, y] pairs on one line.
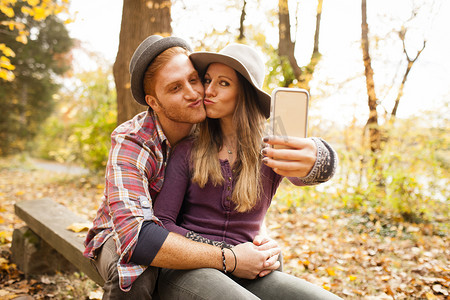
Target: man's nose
{"points": [[191, 93]]}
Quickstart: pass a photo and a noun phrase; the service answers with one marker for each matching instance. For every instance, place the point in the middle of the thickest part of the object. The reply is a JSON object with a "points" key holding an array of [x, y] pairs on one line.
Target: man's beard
{"points": [[181, 115]]}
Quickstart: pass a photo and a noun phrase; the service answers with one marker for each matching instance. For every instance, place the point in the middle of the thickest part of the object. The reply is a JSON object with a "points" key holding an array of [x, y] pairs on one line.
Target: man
{"points": [[126, 237]]}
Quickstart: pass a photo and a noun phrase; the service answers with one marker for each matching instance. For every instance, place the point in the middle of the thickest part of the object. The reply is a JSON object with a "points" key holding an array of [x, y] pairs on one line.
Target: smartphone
{"points": [[289, 112]]}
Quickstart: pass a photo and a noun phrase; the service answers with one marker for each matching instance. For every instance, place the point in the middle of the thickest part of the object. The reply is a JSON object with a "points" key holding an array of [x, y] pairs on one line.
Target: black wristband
{"points": [[235, 261]]}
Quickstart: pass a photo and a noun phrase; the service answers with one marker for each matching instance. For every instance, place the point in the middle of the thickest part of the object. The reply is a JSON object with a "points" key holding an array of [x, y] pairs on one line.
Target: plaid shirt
{"points": [[134, 176]]}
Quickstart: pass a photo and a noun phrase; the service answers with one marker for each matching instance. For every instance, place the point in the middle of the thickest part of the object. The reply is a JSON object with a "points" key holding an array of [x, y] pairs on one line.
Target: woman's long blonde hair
{"points": [[249, 121]]}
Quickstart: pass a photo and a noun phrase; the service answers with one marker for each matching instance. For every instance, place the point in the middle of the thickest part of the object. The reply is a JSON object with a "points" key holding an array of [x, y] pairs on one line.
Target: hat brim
{"points": [[203, 59], [145, 58]]}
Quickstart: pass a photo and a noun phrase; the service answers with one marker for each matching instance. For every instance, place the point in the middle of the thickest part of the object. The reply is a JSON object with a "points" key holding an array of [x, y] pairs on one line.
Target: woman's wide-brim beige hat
{"points": [[244, 60]]}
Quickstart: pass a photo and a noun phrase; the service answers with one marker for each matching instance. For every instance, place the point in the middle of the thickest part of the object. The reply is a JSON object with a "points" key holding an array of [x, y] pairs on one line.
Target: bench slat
{"points": [[49, 220]]}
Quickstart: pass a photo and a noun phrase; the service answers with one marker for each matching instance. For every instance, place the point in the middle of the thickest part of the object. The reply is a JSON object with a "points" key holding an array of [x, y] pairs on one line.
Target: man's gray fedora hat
{"points": [[151, 47], [244, 60]]}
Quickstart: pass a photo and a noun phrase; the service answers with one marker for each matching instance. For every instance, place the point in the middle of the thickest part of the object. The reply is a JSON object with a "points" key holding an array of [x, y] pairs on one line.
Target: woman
{"points": [[218, 186]]}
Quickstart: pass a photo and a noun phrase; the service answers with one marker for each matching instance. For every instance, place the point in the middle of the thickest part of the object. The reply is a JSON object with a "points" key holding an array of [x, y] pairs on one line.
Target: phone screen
{"points": [[289, 112]]}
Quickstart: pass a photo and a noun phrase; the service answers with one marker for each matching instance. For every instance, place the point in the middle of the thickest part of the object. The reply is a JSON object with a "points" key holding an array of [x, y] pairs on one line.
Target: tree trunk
{"points": [[241, 22], [315, 57], [139, 20], [285, 45], [316, 33], [372, 122]]}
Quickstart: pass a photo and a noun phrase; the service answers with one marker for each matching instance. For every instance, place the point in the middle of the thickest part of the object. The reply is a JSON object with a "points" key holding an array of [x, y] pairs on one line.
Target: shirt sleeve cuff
{"points": [[150, 240], [325, 166]]}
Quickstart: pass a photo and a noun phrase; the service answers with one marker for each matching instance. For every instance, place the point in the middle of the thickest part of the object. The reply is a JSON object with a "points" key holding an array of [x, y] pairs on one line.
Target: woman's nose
{"points": [[210, 90]]}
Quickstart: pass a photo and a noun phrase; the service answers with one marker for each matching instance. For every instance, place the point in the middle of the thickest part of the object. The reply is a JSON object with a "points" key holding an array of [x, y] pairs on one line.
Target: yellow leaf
{"points": [[352, 278], [6, 75], [326, 287], [385, 277], [21, 27], [20, 193], [68, 21], [331, 272], [304, 262], [33, 2], [283, 209], [58, 10], [5, 237], [8, 11], [326, 217], [39, 13], [8, 67], [275, 226], [6, 51], [430, 296], [378, 226], [27, 10], [6, 64], [443, 269], [8, 2], [3, 261], [78, 227], [22, 39]]}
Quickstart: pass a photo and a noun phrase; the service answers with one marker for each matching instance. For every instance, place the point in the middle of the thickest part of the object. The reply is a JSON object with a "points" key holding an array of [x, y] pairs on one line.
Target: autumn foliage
{"points": [[39, 10]]}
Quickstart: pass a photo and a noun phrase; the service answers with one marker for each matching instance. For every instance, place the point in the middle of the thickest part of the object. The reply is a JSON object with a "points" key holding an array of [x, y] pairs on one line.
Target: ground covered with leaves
{"points": [[354, 254]]}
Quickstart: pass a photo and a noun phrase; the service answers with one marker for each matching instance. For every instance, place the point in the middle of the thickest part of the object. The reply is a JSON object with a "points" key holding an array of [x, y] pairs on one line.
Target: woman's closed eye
{"points": [[224, 83], [207, 81]]}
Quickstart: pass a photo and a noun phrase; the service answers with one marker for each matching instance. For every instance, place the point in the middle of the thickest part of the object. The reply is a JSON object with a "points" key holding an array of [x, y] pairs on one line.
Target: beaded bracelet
{"points": [[223, 259]]}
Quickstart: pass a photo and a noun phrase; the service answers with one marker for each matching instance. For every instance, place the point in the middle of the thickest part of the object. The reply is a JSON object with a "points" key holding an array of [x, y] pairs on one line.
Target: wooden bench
{"points": [[49, 220]]}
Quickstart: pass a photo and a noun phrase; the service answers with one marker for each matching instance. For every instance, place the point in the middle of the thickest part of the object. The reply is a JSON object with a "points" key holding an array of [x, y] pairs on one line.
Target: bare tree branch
{"points": [[409, 66], [241, 22]]}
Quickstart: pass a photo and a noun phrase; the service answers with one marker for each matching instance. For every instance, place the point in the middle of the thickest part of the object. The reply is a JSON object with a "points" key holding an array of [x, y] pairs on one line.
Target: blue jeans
{"points": [[213, 284]]}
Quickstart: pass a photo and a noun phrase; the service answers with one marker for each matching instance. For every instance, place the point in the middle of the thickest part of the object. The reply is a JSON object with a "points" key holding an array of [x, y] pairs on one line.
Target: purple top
{"points": [[183, 206]]}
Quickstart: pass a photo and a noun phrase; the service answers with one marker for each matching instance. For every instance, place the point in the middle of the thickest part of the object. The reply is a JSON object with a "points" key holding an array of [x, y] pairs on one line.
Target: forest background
{"points": [[378, 75]]}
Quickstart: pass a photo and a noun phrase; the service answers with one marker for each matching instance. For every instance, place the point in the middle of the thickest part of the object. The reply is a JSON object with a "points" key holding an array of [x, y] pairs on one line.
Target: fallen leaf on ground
{"points": [[78, 227], [95, 295]]}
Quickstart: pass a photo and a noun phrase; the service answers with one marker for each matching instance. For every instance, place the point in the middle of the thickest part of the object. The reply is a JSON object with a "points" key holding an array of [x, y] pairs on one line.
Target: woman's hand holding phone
{"points": [[293, 156]]}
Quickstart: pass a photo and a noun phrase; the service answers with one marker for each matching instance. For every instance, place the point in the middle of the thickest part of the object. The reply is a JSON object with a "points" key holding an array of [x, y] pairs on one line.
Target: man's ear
{"points": [[152, 102]]}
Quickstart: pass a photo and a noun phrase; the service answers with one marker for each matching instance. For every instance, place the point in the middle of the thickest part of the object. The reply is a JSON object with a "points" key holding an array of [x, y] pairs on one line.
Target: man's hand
{"points": [[253, 259], [264, 243], [295, 159]]}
